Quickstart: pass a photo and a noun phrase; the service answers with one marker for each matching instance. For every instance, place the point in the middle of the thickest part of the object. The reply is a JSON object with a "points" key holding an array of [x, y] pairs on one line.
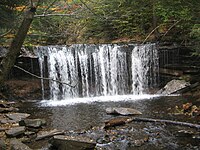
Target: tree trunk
{"points": [[9, 60], [154, 18]]}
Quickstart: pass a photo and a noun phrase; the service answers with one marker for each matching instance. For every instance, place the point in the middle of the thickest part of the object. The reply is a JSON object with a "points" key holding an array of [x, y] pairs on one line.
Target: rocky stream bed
{"points": [[100, 125]]}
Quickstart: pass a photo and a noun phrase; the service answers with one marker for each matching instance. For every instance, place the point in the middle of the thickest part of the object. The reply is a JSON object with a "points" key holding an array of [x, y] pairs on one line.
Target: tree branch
{"points": [[197, 126], [150, 34], [47, 15], [4, 34], [170, 28], [68, 84]]}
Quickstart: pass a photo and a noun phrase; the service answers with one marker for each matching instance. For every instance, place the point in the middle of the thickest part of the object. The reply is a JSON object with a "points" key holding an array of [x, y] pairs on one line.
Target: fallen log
{"points": [[191, 125]]}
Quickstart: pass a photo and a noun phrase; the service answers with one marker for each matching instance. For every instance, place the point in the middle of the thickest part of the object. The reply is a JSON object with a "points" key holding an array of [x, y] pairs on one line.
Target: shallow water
{"points": [[85, 115]]}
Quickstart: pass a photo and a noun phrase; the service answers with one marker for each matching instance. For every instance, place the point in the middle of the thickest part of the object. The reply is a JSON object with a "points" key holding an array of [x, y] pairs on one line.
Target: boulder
{"points": [[72, 143], [47, 134], [122, 111], [17, 116], [173, 86], [35, 123], [17, 145], [13, 132]]}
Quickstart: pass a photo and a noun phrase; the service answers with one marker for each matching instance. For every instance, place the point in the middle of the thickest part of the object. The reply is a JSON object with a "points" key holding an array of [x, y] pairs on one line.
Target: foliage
{"points": [[78, 21]]}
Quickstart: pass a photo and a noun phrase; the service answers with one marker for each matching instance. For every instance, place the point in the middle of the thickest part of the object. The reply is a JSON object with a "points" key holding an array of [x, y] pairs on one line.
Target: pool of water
{"points": [[84, 114]]}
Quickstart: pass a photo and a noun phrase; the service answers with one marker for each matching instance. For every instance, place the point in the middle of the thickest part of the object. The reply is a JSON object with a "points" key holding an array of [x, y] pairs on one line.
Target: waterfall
{"points": [[99, 70]]}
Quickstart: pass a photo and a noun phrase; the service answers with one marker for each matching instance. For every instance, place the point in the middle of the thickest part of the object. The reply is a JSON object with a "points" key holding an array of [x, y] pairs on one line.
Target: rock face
{"points": [[62, 142], [13, 132], [17, 145], [122, 111], [35, 123], [173, 86]]}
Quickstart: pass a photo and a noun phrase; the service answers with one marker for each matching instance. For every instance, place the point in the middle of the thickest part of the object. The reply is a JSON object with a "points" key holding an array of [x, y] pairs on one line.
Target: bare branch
{"points": [[197, 126], [68, 84], [171, 28], [91, 10], [150, 33], [4, 34], [47, 15]]}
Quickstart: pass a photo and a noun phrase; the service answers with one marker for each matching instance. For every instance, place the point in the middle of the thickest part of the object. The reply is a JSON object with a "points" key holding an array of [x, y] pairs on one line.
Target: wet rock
{"points": [[6, 120], [28, 133], [35, 123], [17, 145], [122, 111], [117, 121], [140, 142], [72, 143], [13, 132], [173, 86], [47, 134], [2, 144], [185, 133], [10, 109], [17, 116]]}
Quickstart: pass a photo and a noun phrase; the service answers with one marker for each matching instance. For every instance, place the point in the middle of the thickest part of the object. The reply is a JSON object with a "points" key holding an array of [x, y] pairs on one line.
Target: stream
{"points": [[87, 118]]}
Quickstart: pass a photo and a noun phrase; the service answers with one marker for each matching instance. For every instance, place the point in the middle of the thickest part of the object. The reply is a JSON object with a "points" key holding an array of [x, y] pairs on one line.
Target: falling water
{"points": [[99, 70]]}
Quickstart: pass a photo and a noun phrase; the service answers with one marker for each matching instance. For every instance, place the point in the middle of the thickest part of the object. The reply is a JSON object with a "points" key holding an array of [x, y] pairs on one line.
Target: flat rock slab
{"points": [[10, 109], [17, 145], [35, 123], [173, 86], [5, 104], [17, 116], [122, 111], [6, 120], [48, 134], [13, 132], [72, 143]]}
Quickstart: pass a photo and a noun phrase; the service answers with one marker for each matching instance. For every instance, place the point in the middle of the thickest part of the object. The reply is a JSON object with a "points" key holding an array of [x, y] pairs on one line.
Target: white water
{"points": [[99, 70], [115, 98]]}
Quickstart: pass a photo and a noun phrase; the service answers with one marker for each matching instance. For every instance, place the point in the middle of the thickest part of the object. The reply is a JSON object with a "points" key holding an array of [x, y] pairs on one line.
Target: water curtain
{"points": [[99, 70]]}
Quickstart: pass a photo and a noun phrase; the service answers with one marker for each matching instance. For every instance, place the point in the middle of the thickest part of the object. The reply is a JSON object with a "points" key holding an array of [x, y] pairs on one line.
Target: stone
{"points": [[2, 144], [47, 134], [122, 111], [18, 145], [28, 133], [173, 86], [13, 132], [2, 129], [17, 116], [63, 142], [10, 109], [5, 104], [6, 120], [35, 123], [117, 121]]}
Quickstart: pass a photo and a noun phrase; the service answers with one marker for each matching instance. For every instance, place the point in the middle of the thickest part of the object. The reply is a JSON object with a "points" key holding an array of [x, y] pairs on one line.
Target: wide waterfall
{"points": [[99, 70]]}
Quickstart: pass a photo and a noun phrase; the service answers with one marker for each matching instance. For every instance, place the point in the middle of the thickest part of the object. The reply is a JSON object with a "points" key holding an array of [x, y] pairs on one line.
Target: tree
{"points": [[8, 61]]}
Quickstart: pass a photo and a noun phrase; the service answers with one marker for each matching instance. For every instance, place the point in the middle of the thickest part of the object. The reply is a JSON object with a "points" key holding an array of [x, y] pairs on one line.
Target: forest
{"points": [[102, 21]]}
